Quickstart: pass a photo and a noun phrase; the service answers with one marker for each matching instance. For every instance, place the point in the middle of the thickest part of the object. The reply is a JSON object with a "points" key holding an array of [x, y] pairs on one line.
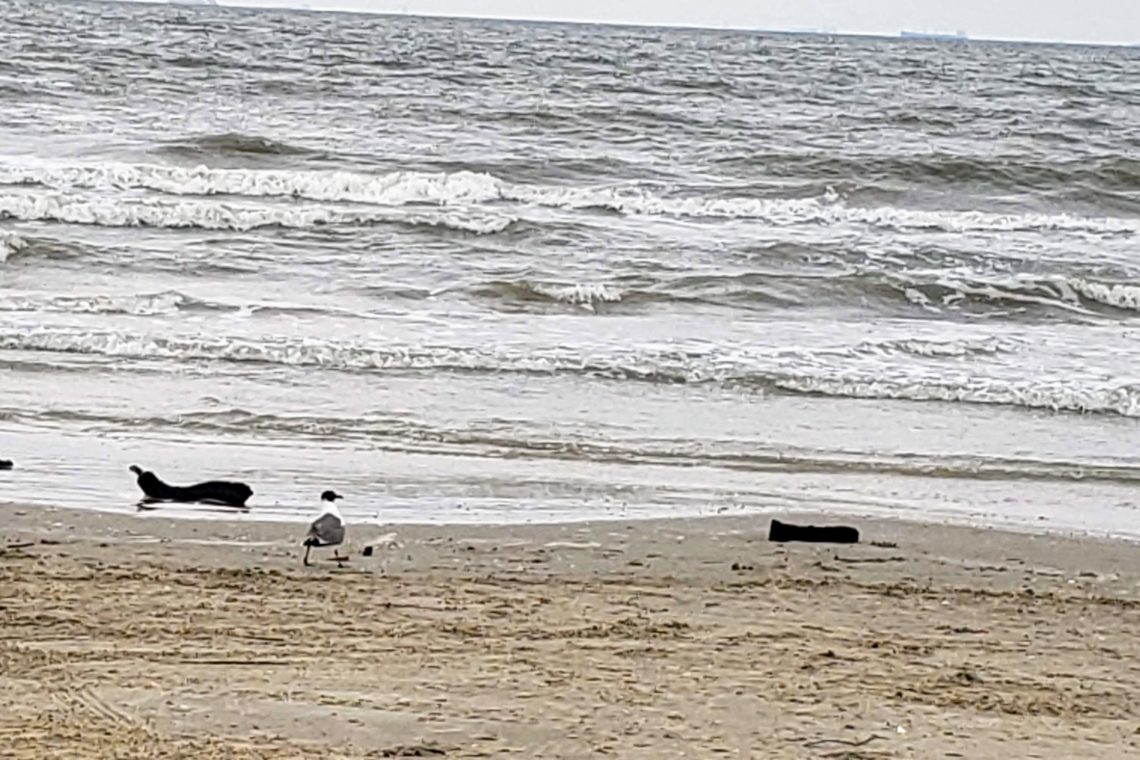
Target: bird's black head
{"points": [[136, 469], [330, 496]]}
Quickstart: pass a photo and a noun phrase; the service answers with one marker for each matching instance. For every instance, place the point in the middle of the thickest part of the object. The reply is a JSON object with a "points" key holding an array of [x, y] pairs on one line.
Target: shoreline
{"points": [[643, 639]]}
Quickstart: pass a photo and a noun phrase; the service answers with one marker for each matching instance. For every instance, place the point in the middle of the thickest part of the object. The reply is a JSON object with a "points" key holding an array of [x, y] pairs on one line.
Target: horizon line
{"points": [[898, 35]]}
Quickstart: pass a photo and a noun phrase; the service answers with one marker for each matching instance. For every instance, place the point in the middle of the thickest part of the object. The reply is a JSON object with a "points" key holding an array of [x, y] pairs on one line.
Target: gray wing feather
{"points": [[328, 530]]}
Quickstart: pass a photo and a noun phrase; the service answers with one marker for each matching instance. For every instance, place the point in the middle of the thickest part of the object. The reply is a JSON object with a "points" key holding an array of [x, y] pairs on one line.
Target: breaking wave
{"points": [[142, 305], [1122, 399], [213, 215], [464, 188], [830, 373], [957, 288], [939, 348], [166, 303], [10, 245], [588, 296], [392, 189], [934, 289], [1118, 295]]}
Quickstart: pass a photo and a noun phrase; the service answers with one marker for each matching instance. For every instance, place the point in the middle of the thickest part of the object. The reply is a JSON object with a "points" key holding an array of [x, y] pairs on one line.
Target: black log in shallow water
{"points": [[211, 492], [831, 534]]}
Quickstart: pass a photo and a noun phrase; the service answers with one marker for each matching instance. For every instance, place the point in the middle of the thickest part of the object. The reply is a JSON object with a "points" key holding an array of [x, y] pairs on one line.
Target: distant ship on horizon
{"points": [[959, 35]]}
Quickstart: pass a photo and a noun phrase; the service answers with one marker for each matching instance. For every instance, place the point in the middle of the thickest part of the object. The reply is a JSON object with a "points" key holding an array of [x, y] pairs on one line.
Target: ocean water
{"points": [[485, 271]]}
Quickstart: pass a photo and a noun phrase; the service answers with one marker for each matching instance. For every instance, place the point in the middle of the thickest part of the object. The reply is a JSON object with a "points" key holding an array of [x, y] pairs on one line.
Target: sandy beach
{"points": [[146, 637]]}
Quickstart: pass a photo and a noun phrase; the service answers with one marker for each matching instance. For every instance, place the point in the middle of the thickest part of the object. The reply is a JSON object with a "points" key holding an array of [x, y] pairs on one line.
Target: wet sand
{"points": [[144, 637]]}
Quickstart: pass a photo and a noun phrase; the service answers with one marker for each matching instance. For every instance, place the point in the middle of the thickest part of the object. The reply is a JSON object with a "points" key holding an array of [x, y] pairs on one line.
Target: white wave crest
{"points": [[10, 245], [284, 351], [392, 189], [822, 211], [586, 295], [1054, 396], [465, 188], [1054, 291], [938, 349], [156, 304], [1089, 395], [1118, 295], [215, 215], [478, 222]]}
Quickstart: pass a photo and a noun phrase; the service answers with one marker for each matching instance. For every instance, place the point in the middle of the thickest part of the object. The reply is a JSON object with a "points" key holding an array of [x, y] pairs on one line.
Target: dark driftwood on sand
{"points": [[211, 492], [832, 534], [5, 464]]}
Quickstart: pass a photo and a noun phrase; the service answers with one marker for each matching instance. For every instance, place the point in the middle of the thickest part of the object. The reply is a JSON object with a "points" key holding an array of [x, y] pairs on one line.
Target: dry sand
{"points": [[129, 637]]}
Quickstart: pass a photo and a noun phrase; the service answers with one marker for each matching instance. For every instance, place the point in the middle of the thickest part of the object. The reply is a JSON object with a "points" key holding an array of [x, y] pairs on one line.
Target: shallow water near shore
{"points": [[471, 271]]}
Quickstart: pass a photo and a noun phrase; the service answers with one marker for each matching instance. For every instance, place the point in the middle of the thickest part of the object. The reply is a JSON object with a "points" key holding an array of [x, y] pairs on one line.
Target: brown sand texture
{"points": [[128, 637]]}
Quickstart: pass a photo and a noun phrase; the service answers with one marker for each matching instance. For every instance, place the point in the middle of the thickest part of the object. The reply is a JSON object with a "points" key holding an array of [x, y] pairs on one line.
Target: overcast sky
{"points": [[1070, 20]]}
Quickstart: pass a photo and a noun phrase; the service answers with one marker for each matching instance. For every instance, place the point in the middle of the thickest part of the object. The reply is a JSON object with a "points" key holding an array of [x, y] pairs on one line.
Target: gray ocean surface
{"points": [[467, 271]]}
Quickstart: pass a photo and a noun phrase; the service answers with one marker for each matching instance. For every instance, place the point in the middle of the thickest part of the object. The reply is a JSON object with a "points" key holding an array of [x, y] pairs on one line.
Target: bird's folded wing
{"points": [[327, 529]]}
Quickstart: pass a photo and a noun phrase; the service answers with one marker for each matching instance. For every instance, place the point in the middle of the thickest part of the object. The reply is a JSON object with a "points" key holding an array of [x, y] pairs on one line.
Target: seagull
{"points": [[328, 529]]}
